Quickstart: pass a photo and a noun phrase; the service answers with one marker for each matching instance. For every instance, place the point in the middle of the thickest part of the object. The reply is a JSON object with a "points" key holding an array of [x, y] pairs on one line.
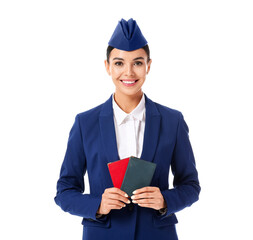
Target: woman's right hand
{"points": [[112, 198]]}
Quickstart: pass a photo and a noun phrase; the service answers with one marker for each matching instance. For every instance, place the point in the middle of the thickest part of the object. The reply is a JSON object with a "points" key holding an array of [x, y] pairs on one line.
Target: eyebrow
{"points": [[139, 58], [117, 58]]}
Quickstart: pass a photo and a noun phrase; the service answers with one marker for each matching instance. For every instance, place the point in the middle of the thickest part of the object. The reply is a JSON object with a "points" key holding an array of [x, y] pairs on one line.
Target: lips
{"points": [[129, 82]]}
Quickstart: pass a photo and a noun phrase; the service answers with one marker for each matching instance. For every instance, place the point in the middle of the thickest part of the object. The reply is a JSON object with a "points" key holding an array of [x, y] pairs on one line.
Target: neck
{"points": [[126, 102]]}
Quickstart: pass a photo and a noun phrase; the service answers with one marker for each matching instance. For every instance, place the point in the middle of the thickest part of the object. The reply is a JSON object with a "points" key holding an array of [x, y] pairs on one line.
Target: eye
{"points": [[138, 63], [118, 63]]}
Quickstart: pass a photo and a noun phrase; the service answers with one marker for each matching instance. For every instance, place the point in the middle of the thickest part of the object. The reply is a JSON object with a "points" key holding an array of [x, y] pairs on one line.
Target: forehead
{"points": [[128, 55]]}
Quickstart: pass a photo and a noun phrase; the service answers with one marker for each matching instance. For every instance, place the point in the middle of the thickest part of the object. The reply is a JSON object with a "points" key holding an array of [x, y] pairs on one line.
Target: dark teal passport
{"points": [[139, 174]]}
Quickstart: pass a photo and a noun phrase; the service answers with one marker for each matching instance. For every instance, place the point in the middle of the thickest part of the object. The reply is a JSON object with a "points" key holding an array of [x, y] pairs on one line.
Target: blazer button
{"points": [[130, 206]]}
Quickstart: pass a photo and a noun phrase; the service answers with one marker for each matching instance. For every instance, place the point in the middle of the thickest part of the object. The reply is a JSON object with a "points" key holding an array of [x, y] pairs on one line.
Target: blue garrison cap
{"points": [[127, 36]]}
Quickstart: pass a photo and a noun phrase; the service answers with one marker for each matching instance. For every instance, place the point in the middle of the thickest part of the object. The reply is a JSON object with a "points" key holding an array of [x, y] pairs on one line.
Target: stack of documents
{"points": [[131, 173]]}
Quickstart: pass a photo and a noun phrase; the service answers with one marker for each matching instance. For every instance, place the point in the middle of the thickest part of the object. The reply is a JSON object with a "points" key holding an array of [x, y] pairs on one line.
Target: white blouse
{"points": [[129, 128]]}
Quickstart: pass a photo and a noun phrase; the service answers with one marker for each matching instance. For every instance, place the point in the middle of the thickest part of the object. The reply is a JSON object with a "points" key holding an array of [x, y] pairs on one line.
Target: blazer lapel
{"points": [[151, 132], [107, 130]]}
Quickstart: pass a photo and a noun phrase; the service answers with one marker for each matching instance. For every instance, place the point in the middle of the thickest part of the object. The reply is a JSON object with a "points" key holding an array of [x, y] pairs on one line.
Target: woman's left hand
{"points": [[150, 197]]}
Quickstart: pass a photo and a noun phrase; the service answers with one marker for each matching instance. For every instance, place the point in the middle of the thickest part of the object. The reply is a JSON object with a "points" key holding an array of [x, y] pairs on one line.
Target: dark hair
{"points": [[110, 48]]}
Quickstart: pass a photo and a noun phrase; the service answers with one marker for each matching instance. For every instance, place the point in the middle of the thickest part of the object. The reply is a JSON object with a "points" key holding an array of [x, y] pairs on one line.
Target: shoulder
{"points": [[94, 113], [166, 111], [170, 116], [89, 118], [91, 113]]}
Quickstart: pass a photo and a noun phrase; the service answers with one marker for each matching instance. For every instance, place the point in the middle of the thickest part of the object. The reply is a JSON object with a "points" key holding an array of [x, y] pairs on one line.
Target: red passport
{"points": [[117, 171]]}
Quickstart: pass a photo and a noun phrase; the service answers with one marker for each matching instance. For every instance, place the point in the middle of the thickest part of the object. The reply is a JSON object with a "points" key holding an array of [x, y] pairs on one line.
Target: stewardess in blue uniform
{"points": [[128, 124]]}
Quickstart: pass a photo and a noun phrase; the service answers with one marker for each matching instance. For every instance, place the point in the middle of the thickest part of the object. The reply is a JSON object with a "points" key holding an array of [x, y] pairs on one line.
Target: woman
{"points": [[128, 124]]}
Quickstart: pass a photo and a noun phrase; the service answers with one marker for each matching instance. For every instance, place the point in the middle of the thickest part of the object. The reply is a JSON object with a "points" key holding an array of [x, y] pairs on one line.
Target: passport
{"points": [[117, 171], [139, 173], [131, 173]]}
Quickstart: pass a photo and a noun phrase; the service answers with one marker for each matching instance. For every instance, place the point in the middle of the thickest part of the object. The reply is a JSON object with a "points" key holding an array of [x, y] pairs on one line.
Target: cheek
{"points": [[116, 72], [142, 72]]}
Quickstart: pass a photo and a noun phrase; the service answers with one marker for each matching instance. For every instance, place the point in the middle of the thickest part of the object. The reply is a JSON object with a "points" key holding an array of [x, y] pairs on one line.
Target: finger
{"points": [[146, 201], [115, 207], [116, 190], [116, 196], [114, 203], [148, 205], [144, 195], [145, 189]]}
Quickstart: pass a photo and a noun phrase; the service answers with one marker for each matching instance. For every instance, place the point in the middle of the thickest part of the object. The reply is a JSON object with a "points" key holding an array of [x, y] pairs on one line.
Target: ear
{"points": [[149, 64], [107, 67]]}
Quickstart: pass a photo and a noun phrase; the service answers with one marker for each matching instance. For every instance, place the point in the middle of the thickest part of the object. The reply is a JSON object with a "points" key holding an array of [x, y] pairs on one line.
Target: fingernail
{"points": [[134, 192], [133, 197], [126, 195], [134, 201], [128, 201]]}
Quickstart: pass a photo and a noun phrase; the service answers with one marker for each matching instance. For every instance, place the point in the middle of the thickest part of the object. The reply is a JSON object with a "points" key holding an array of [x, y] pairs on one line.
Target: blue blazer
{"points": [[92, 145]]}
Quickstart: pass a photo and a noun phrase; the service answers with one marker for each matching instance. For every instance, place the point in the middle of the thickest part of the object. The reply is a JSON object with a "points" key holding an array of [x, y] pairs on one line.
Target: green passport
{"points": [[139, 174]]}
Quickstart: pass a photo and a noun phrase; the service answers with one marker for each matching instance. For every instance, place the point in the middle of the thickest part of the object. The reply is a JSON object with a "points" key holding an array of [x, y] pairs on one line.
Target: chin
{"points": [[131, 92]]}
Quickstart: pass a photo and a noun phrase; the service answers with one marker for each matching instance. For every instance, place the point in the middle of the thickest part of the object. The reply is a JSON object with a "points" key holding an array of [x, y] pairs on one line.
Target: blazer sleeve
{"points": [[186, 184], [70, 186]]}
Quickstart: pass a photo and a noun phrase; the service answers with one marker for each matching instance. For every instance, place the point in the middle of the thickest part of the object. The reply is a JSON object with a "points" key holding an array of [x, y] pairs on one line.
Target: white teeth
{"points": [[128, 82]]}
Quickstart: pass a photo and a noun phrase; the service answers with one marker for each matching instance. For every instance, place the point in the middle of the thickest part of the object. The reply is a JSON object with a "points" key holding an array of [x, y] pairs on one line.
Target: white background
{"points": [[51, 68]]}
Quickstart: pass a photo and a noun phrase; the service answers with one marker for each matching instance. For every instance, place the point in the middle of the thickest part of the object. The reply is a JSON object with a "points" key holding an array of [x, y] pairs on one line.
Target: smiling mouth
{"points": [[129, 81]]}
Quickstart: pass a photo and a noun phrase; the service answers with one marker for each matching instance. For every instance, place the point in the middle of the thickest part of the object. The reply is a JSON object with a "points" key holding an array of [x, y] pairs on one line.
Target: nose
{"points": [[129, 70]]}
